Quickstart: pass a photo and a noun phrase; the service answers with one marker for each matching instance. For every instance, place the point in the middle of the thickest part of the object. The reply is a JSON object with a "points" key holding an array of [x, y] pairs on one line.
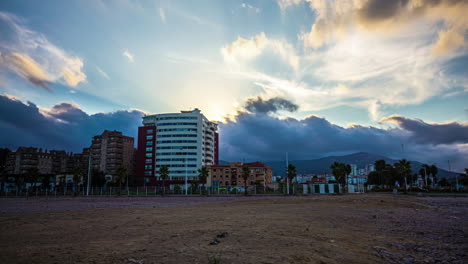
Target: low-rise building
{"points": [[231, 175]]}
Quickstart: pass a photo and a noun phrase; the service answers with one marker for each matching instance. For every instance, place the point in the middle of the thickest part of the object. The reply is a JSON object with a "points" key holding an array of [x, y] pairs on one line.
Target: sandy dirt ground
{"points": [[371, 228]]}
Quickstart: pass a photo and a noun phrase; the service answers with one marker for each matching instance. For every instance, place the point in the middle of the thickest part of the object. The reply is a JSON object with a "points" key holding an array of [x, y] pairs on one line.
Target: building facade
{"points": [[183, 141], [26, 158], [231, 175], [109, 151]]}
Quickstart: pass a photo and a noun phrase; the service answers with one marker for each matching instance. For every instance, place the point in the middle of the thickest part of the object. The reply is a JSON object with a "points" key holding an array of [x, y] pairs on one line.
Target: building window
{"points": [[149, 143], [148, 161], [149, 131], [149, 137], [149, 155], [149, 149], [148, 167], [148, 173]]}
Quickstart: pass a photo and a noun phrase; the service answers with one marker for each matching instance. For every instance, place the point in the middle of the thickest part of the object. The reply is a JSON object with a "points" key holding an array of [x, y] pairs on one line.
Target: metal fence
{"points": [[131, 191]]}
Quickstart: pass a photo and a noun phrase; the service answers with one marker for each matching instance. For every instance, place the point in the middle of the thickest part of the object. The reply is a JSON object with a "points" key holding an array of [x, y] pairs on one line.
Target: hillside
{"points": [[322, 165]]}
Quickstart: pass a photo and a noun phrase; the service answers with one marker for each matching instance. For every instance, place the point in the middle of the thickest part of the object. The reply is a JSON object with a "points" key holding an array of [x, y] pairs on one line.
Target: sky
{"points": [[311, 78]]}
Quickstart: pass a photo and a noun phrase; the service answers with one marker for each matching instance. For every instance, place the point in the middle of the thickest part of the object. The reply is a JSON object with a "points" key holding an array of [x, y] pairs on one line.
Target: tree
{"points": [[98, 178], [374, 178], [203, 175], [77, 176], [164, 175], [46, 182], [121, 177], [32, 176], [339, 171], [347, 169], [3, 159], [427, 172], [444, 182], [422, 172], [291, 174], [404, 169], [434, 170], [380, 165], [245, 176]]}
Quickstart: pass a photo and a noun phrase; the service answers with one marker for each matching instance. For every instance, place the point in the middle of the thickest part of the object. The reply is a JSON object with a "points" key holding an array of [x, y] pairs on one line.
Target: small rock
{"points": [[131, 260], [215, 242], [222, 235]]}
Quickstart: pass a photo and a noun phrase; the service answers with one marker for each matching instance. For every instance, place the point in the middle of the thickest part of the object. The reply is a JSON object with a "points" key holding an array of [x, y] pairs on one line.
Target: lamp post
{"points": [[89, 173], [186, 177]]}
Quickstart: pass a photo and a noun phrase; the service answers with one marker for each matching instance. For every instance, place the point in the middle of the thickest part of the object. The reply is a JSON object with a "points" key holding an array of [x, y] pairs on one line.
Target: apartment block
{"points": [[109, 151], [231, 175], [25, 158], [183, 141]]}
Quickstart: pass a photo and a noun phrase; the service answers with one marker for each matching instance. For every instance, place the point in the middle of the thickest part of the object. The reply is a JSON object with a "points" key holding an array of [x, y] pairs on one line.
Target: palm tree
{"points": [[347, 169], [77, 175], [121, 176], [427, 171], [338, 170], [422, 172], [164, 175], [434, 170], [245, 176], [404, 168], [291, 174], [46, 182], [32, 176], [203, 175]]}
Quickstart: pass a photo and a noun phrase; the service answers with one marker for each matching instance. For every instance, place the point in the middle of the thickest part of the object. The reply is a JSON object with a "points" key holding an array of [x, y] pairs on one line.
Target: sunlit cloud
{"points": [[31, 56], [129, 56], [251, 7], [336, 18], [244, 50], [162, 15], [26, 68], [103, 73]]}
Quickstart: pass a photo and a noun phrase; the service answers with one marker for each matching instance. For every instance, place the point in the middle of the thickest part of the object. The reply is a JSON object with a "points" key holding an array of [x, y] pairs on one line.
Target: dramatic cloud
{"points": [[243, 50], [425, 133], [129, 56], [26, 68], [336, 18], [32, 57], [64, 126], [273, 105], [368, 54], [265, 137]]}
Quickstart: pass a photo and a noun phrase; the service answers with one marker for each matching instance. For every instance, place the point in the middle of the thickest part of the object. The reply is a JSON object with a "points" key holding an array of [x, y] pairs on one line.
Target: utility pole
{"points": [[403, 152], [186, 177], [456, 177], [287, 181], [89, 173]]}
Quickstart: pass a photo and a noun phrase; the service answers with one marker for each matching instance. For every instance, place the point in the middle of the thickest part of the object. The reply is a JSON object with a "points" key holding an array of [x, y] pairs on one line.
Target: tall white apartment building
{"points": [[183, 141]]}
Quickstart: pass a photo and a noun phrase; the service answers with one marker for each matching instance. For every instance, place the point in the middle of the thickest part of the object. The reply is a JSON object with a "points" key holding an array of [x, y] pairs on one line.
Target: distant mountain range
{"points": [[322, 165]]}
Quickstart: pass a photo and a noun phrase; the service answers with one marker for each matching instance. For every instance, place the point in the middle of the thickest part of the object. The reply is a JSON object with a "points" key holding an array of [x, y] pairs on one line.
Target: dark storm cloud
{"points": [[255, 136], [422, 132], [375, 10], [258, 105], [65, 126]]}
